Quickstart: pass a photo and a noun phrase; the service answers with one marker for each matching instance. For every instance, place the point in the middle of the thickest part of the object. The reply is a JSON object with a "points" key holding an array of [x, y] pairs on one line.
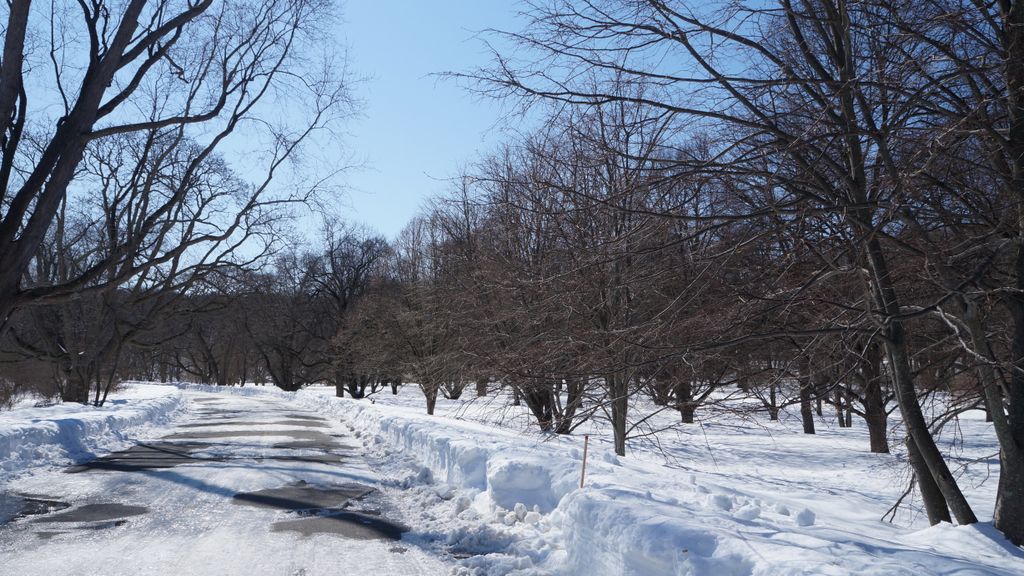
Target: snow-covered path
{"points": [[243, 485]]}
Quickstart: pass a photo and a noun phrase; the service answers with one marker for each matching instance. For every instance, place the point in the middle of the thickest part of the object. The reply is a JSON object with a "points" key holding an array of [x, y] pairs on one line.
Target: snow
{"points": [[192, 525], [32, 437], [67, 433], [725, 496], [488, 494]]}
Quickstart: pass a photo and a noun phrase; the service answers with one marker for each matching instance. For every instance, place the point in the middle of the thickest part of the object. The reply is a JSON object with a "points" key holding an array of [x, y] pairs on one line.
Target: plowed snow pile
{"points": [[722, 497], [67, 433]]}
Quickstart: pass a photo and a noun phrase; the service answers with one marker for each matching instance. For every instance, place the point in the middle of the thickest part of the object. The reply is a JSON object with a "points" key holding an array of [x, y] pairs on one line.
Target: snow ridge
{"points": [[71, 433], [603, 530]]}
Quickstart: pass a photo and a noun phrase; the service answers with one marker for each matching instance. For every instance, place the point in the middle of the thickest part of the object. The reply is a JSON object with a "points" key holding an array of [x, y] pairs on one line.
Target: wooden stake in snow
{"points": [[583, 472]]}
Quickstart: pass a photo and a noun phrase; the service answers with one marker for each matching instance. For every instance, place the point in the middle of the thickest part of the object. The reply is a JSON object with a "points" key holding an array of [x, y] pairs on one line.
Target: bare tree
{"points": [[822, 95], [150, 72]]}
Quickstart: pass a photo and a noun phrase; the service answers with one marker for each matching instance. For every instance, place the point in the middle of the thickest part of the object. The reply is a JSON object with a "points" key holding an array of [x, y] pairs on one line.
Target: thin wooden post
{"points": [[583, 472]]}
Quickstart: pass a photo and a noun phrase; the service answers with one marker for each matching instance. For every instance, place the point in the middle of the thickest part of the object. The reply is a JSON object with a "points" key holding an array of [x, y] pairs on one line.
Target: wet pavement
{"points": [[235, 465], [94, 513]]}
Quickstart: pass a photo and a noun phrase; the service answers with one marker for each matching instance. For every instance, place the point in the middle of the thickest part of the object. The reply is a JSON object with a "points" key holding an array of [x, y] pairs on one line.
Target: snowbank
{"points": [[638, 517], [69, 433], [725, 498], [465, 455]]}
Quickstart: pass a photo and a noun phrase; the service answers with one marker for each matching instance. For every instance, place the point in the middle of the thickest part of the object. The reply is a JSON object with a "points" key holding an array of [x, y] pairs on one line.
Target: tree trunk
{"points": [[76, 389], [538, 399], [934, 503], [773, 402], [806, 412], [1009, 510], [837, 402], [684, 400], [354, 389], [481, 387], [931, 461], [686, 412], [878, 425], [1008, 515], [574, 397], [875, 415], [618, 391], [430, 391], [98, 391]]}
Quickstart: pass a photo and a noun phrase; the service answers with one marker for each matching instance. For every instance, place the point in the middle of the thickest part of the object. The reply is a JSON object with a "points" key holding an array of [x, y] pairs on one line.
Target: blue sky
{"points": [[416, 130]]}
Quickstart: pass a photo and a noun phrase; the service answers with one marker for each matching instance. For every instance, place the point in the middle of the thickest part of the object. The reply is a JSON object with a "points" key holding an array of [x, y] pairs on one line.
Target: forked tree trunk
{"points": [[684, 400], [355, 390], [931, 495], [1008, 515], [574, 398], [76, 389], [539, 402], [930, 460]]}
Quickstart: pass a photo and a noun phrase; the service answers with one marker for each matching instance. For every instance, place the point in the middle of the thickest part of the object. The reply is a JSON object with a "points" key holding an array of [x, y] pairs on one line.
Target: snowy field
{"points": [[486, 493], [721, 497]]}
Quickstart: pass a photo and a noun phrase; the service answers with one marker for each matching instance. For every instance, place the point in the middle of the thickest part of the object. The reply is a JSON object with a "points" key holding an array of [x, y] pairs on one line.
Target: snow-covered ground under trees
{"points": [[486, 493]]}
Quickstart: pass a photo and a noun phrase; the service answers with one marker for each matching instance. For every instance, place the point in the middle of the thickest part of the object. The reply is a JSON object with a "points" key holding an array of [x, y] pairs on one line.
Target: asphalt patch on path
{"points": [[223, 413], [305, 417], [326, 458], [344, 523], [308, 435], [105, 512], [312, 445], [149, 456], [33, 505], [296, 422], [302, 496], [345, 510]]}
